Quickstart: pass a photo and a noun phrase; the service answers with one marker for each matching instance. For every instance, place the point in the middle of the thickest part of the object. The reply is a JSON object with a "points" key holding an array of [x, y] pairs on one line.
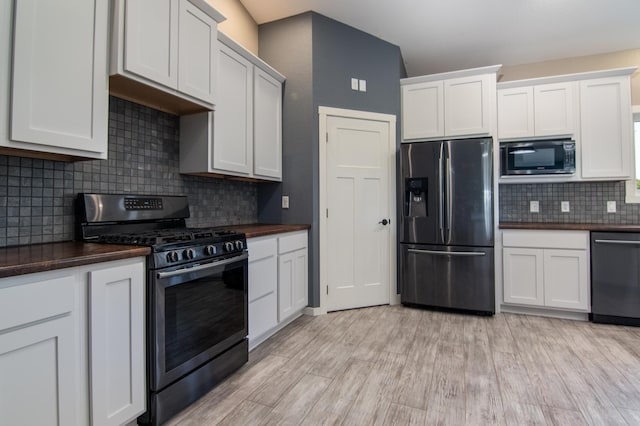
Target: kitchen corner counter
{"points": [[571, 226], [19, 260], [260, 230]]}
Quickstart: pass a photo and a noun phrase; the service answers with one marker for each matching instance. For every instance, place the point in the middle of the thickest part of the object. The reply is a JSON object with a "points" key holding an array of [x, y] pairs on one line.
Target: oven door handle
{"points": [[197, 268]]}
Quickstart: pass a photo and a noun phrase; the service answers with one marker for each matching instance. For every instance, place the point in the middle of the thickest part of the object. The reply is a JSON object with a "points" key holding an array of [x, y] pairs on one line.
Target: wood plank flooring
{"points": [[392, 365]]}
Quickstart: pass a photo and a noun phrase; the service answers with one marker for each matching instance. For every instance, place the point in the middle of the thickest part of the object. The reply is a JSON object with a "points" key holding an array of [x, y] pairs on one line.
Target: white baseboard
{"points": [[314, 312]]}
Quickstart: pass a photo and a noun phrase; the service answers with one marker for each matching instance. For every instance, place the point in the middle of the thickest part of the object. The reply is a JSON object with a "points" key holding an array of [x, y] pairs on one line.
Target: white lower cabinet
{"points": [[263, 285], [292, 274], [278, 282], [546, 269], [72, 345]]}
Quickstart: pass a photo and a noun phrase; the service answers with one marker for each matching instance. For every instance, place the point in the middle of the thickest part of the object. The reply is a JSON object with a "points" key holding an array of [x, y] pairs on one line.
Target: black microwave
{"points": [[542, 157]]}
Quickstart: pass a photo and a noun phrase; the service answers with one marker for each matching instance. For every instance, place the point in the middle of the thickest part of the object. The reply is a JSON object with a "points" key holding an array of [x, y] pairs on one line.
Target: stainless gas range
{"points": [[196, 293]]}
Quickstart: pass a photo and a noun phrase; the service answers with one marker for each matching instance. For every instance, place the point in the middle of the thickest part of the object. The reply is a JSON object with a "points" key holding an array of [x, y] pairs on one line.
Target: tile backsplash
{"points": [[587, 200], [37, 196]]}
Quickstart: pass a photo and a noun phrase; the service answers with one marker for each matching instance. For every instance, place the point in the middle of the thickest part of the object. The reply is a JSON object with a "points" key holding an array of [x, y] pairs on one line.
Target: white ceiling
{"points": [[446, 35]]}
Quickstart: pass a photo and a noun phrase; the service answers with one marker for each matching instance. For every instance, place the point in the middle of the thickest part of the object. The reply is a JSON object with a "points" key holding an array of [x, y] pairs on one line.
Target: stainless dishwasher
{"points": [[615, 277]]}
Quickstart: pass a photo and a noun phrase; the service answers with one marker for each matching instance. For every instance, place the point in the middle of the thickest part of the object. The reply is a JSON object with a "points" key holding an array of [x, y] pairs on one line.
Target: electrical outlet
{"points": [[285, 201], [534, 206], [564, 207], [354, 84], [611, 206]]}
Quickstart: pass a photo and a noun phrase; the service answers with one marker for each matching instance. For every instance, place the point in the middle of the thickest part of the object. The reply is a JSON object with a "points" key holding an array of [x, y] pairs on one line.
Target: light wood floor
{"points": [[401, 366]]}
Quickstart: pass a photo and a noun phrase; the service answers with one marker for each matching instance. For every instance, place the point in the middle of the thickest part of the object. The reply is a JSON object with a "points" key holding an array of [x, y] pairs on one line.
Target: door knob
{"points": [[384, 222]]}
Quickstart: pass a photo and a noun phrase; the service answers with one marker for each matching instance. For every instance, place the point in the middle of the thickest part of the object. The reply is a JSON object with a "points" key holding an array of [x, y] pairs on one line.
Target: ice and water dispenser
{"points": [[415, 197]]}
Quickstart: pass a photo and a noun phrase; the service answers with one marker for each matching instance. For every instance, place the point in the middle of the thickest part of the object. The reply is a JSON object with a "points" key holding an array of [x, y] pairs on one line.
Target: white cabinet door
{"points": [[301, 278], [566, 283], [267, 133], [467, 106], [515, 112], [263, 285], [38, 354], [151, 48], [606, 127], [196, 52], [555, 108], [422, 110], [233, 118], [117, 343], [286, 284], [292, 273], [59, 101], [523, 276]]}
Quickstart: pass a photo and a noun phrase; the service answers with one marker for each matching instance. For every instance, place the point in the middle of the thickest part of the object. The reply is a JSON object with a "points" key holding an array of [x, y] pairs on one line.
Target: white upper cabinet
{"points": [[233, 119], [422, 110], [151, 44], [54, 78], [467, 105], [163, 53], [243, 137], [455, 104], [537, 111], [606, 127], [555, 109], [267, 134]]}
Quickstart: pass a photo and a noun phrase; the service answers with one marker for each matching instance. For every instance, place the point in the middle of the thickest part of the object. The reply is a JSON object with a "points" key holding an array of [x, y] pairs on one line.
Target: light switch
{"points": [[534, 206], [564, 206], [363, 85], [611, 206], [285, 201], [354, 84]]}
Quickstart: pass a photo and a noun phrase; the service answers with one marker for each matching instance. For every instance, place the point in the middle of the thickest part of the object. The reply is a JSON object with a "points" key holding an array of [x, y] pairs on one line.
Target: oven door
{"points": [[199, 312]]}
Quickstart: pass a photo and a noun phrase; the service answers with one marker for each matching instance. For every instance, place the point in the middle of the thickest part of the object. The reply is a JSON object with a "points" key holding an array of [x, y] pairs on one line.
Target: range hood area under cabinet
{"points": [[164, 54], [243, 136]]}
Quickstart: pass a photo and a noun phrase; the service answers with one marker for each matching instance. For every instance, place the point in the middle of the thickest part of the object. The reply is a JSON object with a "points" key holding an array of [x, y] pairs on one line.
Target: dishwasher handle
{"points": [[620, 242]]}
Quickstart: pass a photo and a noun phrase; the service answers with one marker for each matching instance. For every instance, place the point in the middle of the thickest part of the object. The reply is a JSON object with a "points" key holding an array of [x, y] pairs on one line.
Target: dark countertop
{"points": [[28, 259], [571, 226], [260, 230]]}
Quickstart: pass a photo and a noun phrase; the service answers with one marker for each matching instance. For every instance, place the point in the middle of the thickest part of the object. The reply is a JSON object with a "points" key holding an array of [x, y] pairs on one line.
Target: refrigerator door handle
{"points": [[449, 179], [448, 253], [441, 192]]}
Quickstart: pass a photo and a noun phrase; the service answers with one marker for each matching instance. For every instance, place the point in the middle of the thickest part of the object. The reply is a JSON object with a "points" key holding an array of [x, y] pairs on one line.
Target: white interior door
{"points": [[357, 199]]}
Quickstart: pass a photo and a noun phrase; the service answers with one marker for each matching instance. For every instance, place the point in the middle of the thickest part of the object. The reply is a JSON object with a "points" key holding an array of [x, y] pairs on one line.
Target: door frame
{"points": [[324, 114]]}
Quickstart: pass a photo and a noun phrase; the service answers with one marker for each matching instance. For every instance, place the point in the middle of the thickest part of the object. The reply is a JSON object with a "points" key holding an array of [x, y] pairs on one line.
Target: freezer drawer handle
{"points": [[449, 253], [625, 242]]}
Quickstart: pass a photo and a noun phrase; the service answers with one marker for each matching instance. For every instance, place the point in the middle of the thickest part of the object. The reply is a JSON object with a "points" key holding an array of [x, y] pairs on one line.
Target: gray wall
{"points": [[587, 201], [319, 56], [36, 196]]}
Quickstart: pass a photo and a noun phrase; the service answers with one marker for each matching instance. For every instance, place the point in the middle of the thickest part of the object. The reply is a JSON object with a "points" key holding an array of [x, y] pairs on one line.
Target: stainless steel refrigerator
{"points": [[446, 230]]}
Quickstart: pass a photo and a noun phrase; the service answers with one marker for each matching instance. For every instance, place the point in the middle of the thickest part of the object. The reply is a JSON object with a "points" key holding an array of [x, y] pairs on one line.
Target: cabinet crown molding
{"points": [[615, 72], [493, 69]]}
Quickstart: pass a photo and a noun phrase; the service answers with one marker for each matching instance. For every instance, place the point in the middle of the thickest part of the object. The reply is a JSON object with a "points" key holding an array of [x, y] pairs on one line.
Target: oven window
{"points": [[202, 313]]}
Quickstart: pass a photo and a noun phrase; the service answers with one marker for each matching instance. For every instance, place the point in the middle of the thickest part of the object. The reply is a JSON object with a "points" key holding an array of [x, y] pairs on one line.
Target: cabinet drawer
{"points": [[259, 248], [577, 240], [263, 315], [291, 242], [23, 304]]}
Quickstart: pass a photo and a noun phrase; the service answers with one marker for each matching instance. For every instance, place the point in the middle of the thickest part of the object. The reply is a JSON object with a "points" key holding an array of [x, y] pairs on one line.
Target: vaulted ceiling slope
{"points": [[445, 35]]}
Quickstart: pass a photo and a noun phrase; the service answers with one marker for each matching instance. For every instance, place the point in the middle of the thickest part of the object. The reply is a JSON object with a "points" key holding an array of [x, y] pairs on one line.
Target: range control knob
{"points": [[172, 256], [239, 245], [210, 250], [189, 254], [228, 246]]}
